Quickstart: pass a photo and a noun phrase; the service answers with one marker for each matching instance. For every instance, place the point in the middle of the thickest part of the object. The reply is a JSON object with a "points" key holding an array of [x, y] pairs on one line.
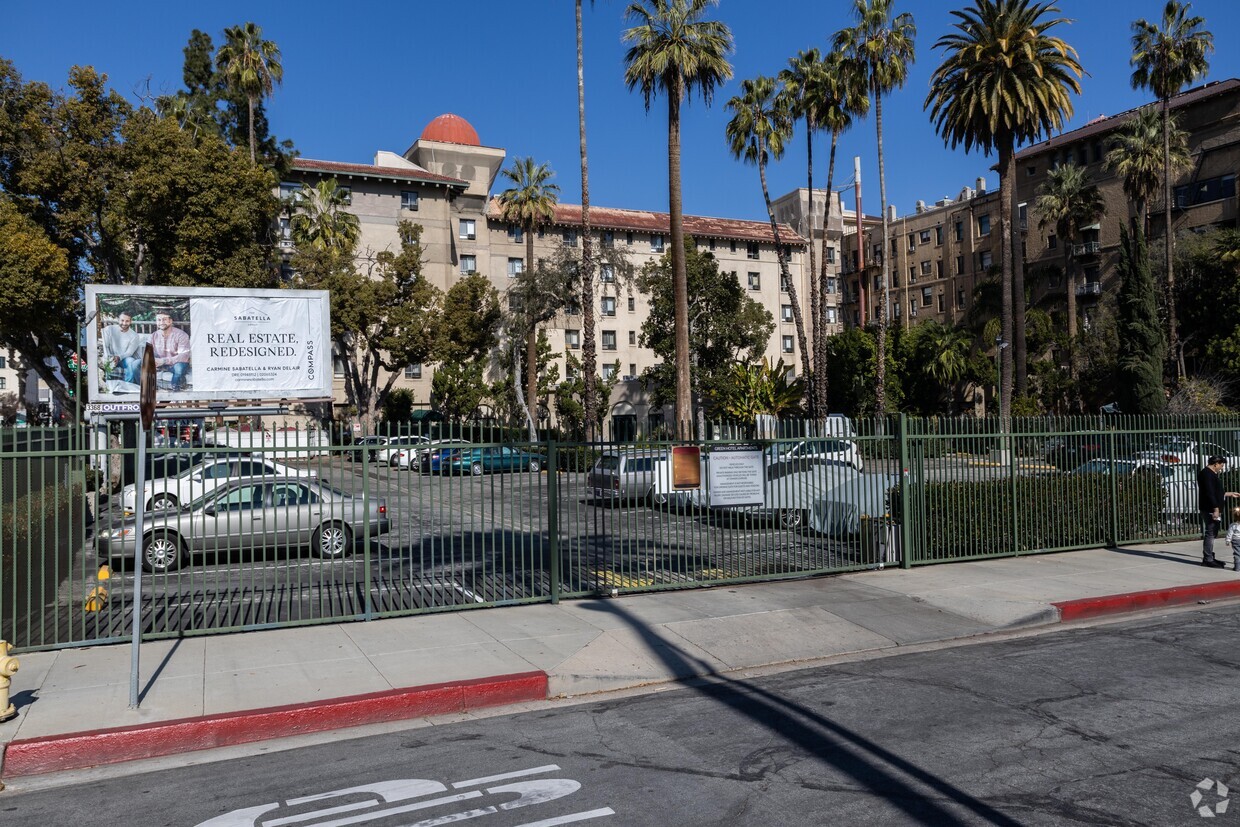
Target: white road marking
{"points": [[478, 782]]}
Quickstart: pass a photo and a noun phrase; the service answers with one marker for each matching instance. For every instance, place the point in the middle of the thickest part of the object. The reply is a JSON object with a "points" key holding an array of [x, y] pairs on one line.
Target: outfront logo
{"points": [[1210, 798]]}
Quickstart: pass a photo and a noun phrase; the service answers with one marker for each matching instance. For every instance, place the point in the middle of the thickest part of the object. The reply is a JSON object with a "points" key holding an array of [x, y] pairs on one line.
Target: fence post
{"points": [[367, 574], [1113, 542], [553, 517], [906, 491]]}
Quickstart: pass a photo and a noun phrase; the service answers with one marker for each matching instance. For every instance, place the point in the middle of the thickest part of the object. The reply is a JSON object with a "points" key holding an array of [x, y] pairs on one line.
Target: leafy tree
{"points": [[761, 124], [471, 320], [747, 391], [1141, 344], [251, 66], [569, 395], [1165, 60], [398, 406], [725, 325], [850, 366], [1136, 156], [1209, 294], [511, 407], [1004, 80], [321, 218], [458, 388], [882, 47], [937, 360], [674, 51], [1068, 200]]}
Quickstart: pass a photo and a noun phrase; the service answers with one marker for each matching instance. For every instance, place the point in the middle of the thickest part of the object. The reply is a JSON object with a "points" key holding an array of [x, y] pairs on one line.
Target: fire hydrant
{"points": [[8, 666]]}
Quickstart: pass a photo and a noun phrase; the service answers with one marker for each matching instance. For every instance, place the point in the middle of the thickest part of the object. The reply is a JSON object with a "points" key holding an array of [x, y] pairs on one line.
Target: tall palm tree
{"points": [[675, 51], [589, 347], [883, 45], [1068, 200], [1003, 79], [529, 203], [1137, 155], [951, 346], [1166, 60], [321, 219], [251, 66], [760, 127]]}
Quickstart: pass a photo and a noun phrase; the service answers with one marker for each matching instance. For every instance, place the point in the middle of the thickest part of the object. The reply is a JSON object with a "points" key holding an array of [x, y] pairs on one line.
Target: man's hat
{"points": [[1216, 460]]}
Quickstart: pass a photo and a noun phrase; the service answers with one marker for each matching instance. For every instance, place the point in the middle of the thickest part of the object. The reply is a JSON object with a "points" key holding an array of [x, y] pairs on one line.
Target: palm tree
{"points": [[320, 219], [1137, 156], [529, 204], [675, 51], [951, 346], [589, 352], [1068, 201], [883, 46], [1003, 80], [251, 66], [761, 124], [1166, 60]]}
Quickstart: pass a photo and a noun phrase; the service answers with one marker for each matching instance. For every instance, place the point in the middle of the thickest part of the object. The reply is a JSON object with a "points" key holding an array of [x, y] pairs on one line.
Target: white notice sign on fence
{"points": [[735, 478]]}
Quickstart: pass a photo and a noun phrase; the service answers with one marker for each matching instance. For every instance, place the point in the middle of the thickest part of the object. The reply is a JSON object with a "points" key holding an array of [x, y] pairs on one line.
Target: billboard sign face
{"points": [[210, 343]]}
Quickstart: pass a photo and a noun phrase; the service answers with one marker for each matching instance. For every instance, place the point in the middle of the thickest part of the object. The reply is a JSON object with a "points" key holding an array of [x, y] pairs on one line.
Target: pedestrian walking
{"points": [[1210, 500]]}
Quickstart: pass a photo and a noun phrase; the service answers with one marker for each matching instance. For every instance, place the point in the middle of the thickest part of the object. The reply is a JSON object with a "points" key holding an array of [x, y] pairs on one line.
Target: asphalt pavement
{"points": [[211, 691]]}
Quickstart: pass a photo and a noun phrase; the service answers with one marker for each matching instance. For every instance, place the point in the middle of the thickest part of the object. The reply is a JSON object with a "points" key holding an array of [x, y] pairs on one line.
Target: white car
{"points": [[1177, 450], [201, 479], [399, 450], [844, 451]]}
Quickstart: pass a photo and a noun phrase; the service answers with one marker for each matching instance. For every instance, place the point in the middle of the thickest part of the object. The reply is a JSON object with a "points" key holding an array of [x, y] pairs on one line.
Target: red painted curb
{"points": [[78, 750], [1152, 599]]}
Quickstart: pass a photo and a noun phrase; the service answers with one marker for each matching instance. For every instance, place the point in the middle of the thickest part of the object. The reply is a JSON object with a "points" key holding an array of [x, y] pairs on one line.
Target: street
{"points": [[1114, 724]]}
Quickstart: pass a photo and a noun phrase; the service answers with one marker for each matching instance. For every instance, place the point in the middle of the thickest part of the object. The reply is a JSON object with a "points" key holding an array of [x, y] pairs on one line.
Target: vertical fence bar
{"points": [[553, 517], [906, 492]]}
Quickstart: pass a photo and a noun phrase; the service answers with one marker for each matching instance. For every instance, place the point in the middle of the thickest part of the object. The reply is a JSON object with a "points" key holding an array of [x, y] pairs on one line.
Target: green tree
{"points": [[1004, 80], [746, 391], [251, 66], [827, 94], [1165, 60], [725, 325], [321, 218], [458, 388], [882, 47], [1068, 200], [675, 51], [937, 360], [529, 204], [1141, 344], [1137, 157], [398, 407], [760, 126]]}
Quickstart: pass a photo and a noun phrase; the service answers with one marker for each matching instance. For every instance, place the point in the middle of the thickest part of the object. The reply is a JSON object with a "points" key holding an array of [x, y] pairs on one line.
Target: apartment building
{"points": [[445, 181]]}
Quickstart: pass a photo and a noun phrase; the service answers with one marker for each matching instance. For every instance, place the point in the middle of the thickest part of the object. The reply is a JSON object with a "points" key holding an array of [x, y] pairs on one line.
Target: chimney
{"points": [[921, 207], [891, 212], [981, 185]]}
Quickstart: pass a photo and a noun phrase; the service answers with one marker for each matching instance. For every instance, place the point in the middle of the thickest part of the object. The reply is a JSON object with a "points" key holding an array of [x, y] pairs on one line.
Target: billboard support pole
{"points": [[145, 420]]}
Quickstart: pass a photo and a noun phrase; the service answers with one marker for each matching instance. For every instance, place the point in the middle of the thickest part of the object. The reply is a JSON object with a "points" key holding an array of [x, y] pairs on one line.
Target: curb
{"points": [[79, 750], [1088, 607]]}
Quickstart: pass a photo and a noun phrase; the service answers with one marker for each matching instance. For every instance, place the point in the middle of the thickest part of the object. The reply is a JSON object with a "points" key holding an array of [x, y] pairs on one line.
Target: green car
{"points": [[478, 461]]}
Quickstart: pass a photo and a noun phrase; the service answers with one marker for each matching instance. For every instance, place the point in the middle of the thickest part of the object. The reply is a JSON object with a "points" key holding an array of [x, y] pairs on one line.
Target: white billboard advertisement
{"points": [[210, 343]]}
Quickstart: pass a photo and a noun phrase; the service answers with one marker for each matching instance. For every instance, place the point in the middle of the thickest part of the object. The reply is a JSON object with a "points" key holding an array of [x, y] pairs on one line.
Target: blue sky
{"points": [[364, 76]]}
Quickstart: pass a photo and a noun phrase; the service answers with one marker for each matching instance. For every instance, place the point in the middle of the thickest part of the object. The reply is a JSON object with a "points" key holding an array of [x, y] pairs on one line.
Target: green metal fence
{"points": [[259, 529]]}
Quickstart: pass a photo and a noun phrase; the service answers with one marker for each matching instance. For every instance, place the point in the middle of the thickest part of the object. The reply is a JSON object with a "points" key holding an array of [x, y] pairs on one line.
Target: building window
{"points": [[787, 344], [830, 255], [608, 340], [573, 308], [633, 339], [409, 200], [732, 245], [984, 259], [912, 277], [927, 296], [4, 360], [785, 312], [1022, 215], [831, 284], [516, 266], [632, 371], [912, 244], [609, 306], [290, 192], [469, 264], [609, 238], [924, 237], [831, 315], [959, 231], [710, 244], [286, 272], [1203, 192], [570, 238], [938, 236], [469, 229], [1031, 170], [609, 372], [783, 284], [925, 267], [515, 233], [413, 371], [983, 225], [960, 297], [572, 339], [940, 302], [656, 243], [751, 250], [607, 274], [1052, 241], [514, 302], [3, 382], [346, 195], [755, 281], [286, 232], [628, 239], [632, 304]]}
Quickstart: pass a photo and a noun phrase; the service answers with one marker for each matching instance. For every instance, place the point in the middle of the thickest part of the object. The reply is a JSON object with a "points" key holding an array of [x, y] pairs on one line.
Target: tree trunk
{"points": [[253, 140], [821, 403], [531, 338], [680, 288], [516, 386], [810, 357], [880, 368], [1018, 292], [784, 275], [1069, 274], [1173, 347], [589, 354], [1007, 167]]}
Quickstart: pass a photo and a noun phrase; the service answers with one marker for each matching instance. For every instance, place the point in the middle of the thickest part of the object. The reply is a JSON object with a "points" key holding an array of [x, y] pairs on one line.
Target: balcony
{"points": [[1089, 248], [1089, 288]]}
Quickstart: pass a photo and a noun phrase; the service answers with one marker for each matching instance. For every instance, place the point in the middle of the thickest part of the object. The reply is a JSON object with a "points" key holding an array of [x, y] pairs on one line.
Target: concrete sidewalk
{"points": [[220, 690]]}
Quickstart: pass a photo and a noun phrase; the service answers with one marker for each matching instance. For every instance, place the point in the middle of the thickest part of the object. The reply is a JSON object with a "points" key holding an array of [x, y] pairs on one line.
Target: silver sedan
{"points": [[249, 513]]}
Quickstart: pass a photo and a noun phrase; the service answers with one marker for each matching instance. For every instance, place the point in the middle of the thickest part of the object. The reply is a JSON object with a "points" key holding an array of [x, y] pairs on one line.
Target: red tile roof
{"points": [[609, 218], [372, 171], [1100, 126]]}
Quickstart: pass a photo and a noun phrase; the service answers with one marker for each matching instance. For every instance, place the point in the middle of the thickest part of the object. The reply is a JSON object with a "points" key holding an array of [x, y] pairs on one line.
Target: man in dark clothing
{"points": [[1210, 500]]}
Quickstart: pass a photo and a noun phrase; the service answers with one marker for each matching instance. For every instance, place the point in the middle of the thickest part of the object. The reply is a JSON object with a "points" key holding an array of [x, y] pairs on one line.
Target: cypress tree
{"points": [[1142, 346]]}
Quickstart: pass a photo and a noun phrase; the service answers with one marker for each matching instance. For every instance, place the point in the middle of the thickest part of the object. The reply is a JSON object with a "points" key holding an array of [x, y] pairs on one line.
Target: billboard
{"points": [[209, 343]]}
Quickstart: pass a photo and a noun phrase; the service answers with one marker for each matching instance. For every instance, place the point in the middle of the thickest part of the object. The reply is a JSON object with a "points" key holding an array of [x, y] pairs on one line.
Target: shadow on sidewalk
{"points": [[874, 767]]}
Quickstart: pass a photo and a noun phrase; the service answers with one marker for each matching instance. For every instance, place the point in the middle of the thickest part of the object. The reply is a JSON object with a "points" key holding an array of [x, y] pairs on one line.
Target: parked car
{"points": [[1178, 450], [204, 478], [623, 475], [478, 461], [163, 464], [1178, 481], [429, 456], [369, 444], [837, 450], [252, 513], [399, 451], [1069, 452]]}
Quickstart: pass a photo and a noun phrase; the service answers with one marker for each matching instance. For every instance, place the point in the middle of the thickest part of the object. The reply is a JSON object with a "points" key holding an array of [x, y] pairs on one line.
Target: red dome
{"points": [[451, 129]]}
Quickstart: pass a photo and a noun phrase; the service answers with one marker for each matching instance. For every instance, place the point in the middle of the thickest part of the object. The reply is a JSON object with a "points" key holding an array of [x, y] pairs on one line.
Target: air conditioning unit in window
{"points": [[628, 377], [286, 243]]}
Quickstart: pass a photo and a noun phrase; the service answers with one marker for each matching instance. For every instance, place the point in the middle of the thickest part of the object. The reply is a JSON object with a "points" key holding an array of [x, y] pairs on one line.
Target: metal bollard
{"points": [[8, 666]]}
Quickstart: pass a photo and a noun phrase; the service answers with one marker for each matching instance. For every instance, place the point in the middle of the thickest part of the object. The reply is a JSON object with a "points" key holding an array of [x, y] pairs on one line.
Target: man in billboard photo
{"points": [[122, 349], [171, 346]]}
